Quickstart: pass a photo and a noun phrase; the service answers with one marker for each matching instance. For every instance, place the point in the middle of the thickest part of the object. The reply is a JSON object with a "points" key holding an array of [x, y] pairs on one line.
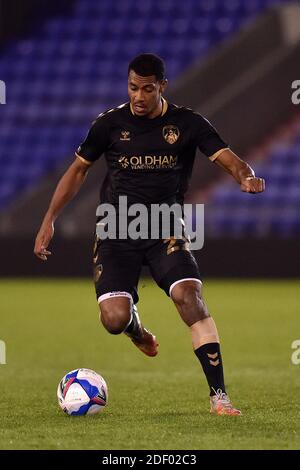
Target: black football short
{"points": [[118, 263]]}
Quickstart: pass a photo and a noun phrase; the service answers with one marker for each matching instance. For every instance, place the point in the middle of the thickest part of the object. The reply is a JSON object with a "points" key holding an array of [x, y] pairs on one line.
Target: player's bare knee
{"points": [[114, 327], [190, 304], [115, 322], [185, 296], [114, 317]]}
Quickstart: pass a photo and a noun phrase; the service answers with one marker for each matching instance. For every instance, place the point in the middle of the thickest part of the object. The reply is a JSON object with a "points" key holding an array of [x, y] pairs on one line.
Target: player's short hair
{"points": [[148, 64]]}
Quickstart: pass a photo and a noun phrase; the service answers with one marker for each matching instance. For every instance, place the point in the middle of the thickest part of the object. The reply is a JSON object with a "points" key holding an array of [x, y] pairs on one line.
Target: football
{"points": [[82, 392]]}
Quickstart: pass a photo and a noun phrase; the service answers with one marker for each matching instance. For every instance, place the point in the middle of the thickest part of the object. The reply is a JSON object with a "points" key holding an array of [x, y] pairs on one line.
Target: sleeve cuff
{"points": [[83, 160], [216, 154]]}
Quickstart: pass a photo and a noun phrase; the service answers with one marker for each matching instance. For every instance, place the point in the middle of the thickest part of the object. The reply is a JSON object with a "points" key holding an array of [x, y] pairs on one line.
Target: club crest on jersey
{"points": [[125, 135], [171, 134]]}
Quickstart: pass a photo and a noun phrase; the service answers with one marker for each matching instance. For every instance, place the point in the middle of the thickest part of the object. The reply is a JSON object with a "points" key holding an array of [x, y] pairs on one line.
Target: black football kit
{"points": [[150, 161]]}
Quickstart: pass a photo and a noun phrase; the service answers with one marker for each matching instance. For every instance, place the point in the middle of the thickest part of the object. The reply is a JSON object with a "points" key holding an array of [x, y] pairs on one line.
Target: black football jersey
{"points": [[149, 160]]}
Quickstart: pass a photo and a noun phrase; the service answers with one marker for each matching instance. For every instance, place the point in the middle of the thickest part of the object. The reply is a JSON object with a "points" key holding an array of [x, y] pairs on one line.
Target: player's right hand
{"points": [[42, 241]]}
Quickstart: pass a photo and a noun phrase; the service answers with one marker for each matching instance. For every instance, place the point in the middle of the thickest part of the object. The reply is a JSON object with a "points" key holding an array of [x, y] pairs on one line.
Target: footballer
{"points": [[149, 145]]}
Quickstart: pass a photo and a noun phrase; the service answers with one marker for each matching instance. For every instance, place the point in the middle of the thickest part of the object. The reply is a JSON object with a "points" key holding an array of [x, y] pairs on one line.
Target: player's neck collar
{"points": [[163, 108]]}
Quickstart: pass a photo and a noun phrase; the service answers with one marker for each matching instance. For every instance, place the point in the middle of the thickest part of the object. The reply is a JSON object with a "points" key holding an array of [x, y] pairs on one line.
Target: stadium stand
{"points": [[232, 213], [63, 76]]}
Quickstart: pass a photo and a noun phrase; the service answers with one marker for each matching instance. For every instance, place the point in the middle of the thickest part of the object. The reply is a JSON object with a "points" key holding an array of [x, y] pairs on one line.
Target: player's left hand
{"points": [[253, 185]]}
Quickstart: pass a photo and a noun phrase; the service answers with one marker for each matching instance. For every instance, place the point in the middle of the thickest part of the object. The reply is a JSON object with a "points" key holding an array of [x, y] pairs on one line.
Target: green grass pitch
{"points": [[51, 327]]}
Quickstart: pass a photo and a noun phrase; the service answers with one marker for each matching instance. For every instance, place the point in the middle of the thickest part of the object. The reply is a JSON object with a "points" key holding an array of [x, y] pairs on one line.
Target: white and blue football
{"points": [[82, 392]]}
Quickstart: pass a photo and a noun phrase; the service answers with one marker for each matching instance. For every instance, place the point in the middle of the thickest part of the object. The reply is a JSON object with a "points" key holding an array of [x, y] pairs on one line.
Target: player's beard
{"points": [[141, 109], [145, 110]]}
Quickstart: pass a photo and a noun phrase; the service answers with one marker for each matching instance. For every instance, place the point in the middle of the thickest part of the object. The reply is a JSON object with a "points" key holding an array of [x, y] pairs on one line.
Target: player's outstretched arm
{"points": [[67, 188], [241, 171]]}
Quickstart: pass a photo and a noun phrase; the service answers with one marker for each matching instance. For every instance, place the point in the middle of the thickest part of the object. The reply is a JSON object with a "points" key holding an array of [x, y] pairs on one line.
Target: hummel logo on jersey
{"points": [[125, 135]]}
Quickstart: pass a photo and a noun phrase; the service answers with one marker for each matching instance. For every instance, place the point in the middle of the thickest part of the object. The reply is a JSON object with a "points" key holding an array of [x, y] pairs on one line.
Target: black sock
{"points": [[210, 357], [134, 328]]}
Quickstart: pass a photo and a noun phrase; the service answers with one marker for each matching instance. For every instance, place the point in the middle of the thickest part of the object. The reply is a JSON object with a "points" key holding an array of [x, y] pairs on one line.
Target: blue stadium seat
{"points": [[274, 212], [66, 73]]}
